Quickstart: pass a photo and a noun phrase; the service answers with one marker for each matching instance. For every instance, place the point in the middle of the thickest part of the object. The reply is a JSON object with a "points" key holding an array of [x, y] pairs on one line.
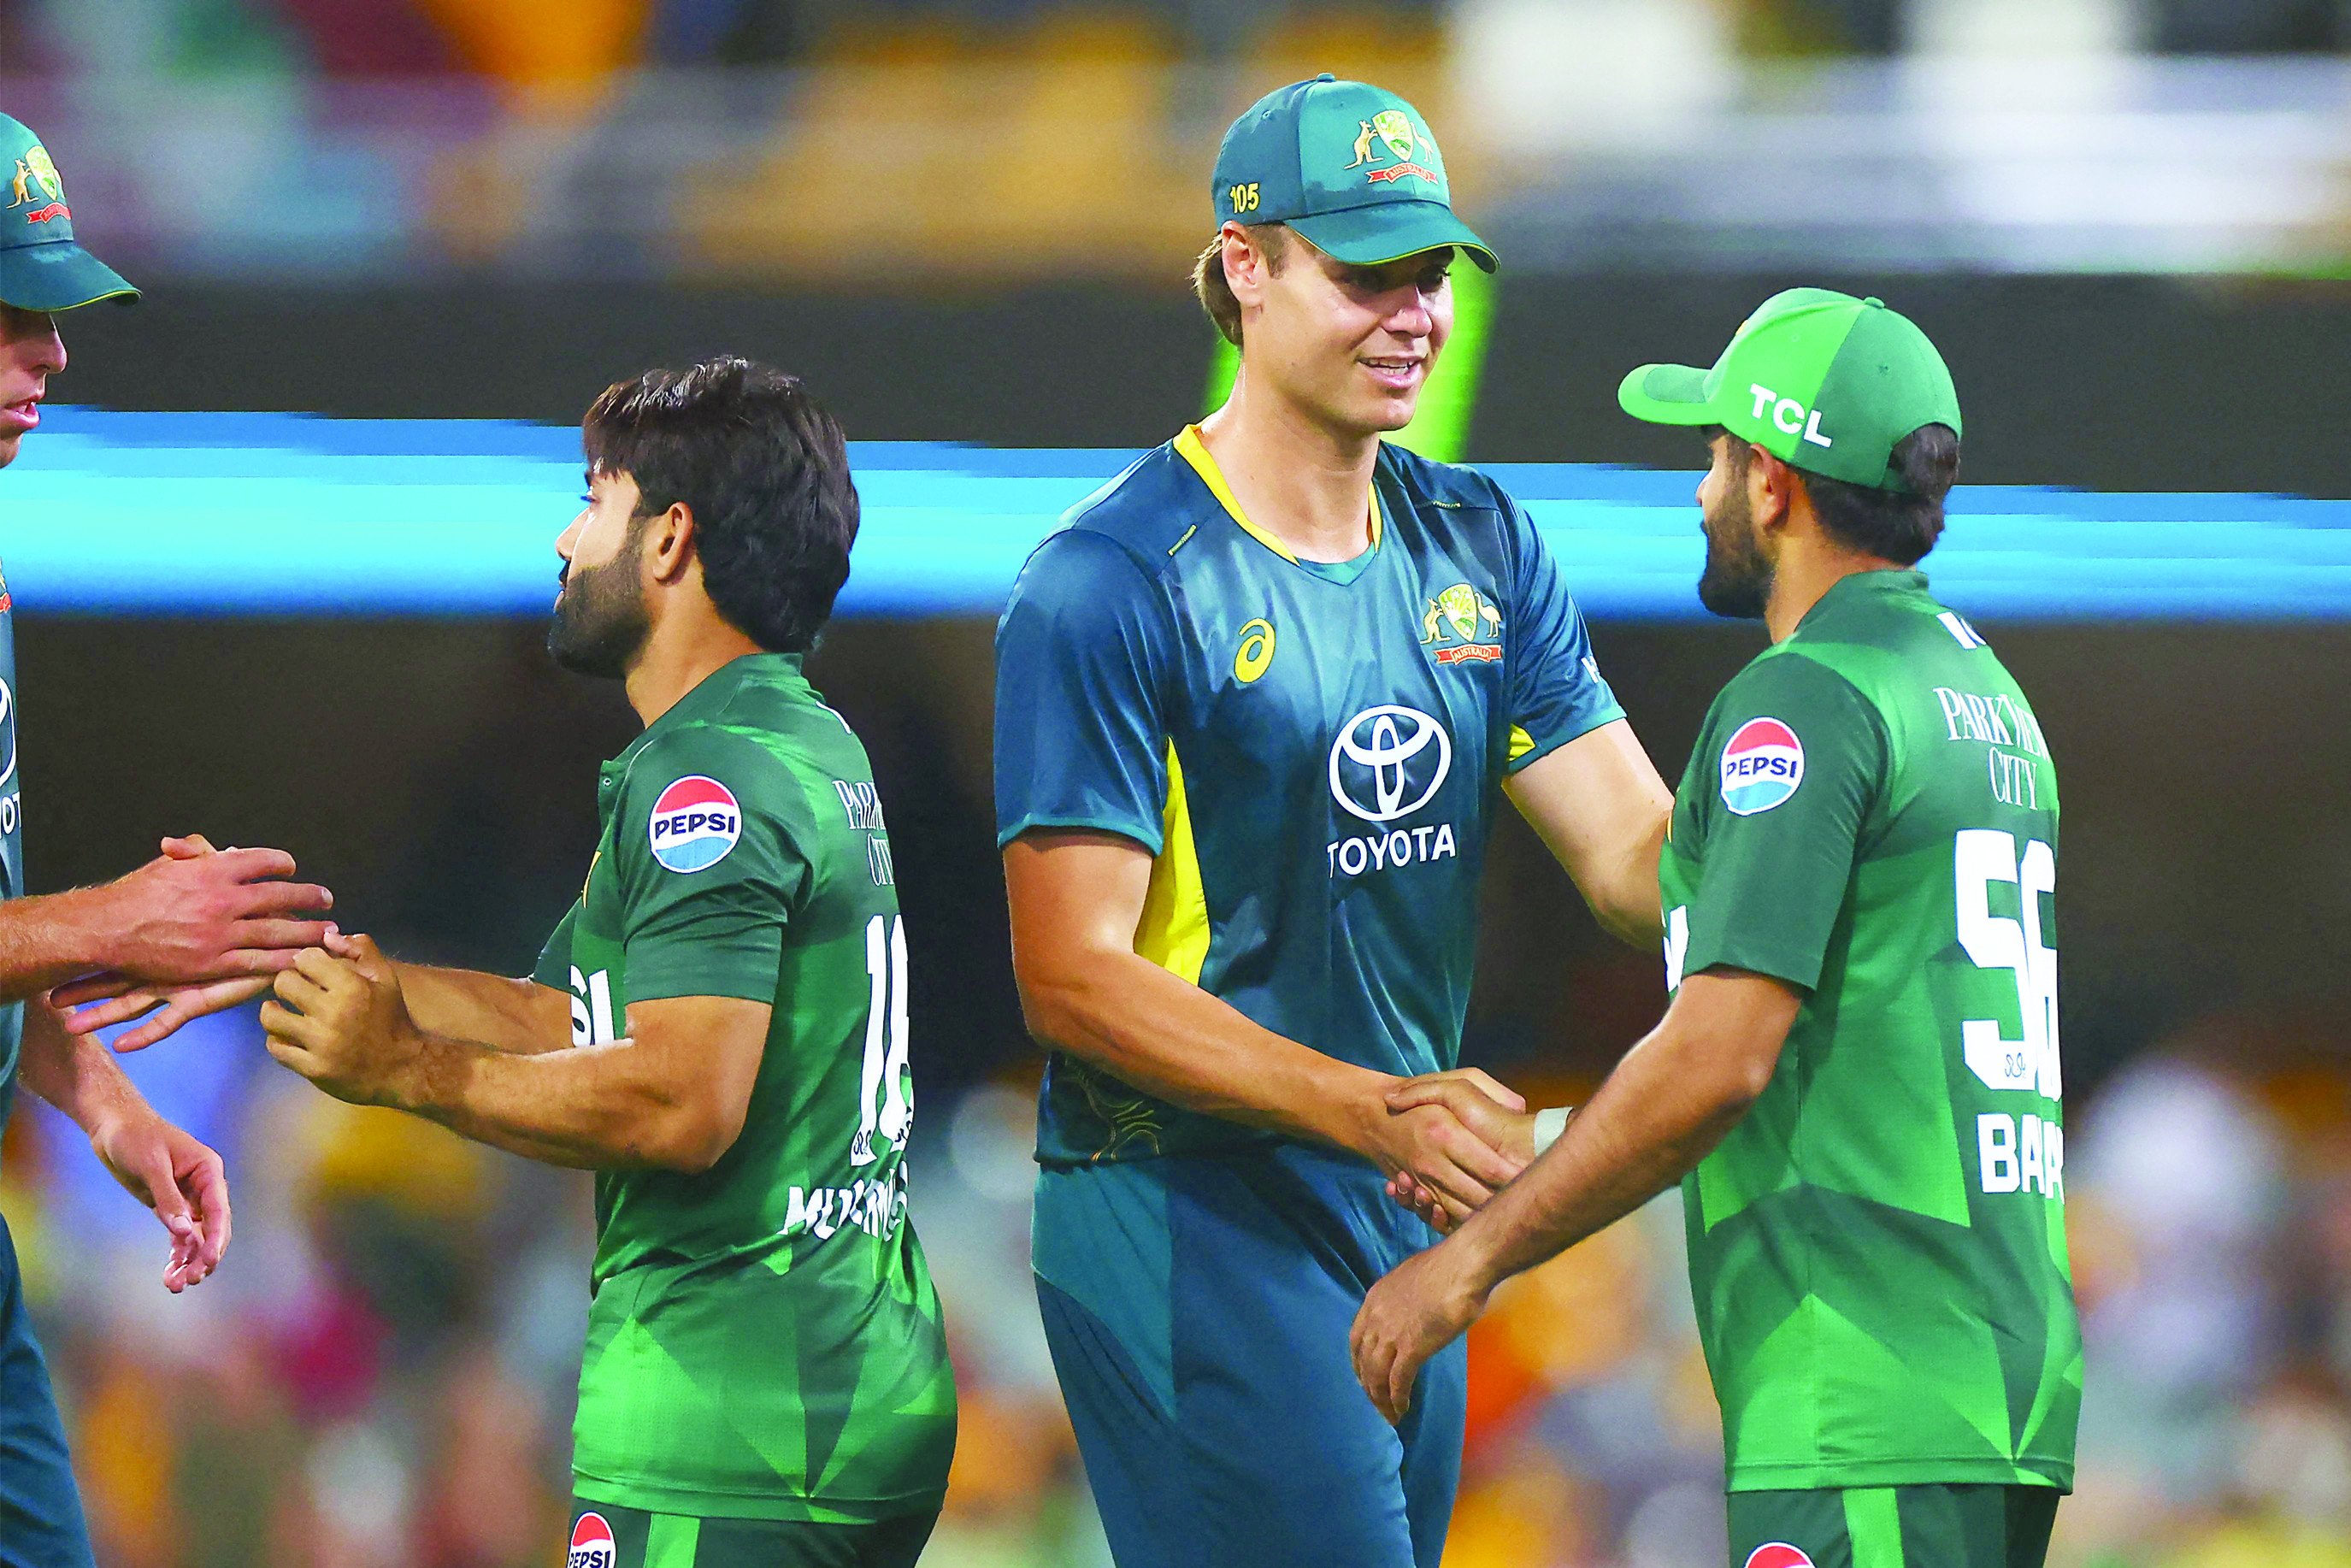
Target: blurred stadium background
{"points": [[2127, 222]]}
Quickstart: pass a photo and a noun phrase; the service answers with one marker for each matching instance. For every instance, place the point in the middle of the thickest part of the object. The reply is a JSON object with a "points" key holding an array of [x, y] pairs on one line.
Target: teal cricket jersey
{"points": [[1312, 753], [12, 849]]}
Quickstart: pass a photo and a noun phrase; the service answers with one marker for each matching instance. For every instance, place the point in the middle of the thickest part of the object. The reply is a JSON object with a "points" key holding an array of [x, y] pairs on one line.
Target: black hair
{"points": [[1898, 525], [765, 471]]}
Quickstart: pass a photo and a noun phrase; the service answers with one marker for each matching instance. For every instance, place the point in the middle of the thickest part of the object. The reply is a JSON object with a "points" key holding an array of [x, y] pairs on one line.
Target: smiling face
{"points": [[600, 620], [30, 353], [1350, 346]]}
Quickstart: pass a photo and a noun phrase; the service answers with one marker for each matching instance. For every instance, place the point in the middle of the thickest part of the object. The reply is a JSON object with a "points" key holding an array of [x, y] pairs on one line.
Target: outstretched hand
{"points": [[100, 1001]]}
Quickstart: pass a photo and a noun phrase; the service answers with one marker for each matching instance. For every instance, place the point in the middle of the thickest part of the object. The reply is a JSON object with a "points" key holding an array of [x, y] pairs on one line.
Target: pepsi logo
{"points": [[591, 1543], [695, 822], [1761, 767], [1778, 1555]]}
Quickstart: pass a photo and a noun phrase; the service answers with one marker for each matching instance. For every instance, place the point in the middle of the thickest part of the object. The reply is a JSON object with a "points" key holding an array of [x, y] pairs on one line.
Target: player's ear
{"points": [[1770, 488], [1246, 262], [669, 542]]}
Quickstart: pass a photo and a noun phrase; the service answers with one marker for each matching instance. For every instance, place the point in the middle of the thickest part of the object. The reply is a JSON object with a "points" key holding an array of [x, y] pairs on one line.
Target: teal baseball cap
{"points": [[1821, 381], [1350, 166], [41, 266]]}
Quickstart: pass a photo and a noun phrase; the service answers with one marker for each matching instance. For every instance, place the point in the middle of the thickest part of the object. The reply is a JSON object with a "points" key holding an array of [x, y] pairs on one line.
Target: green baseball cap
{"points": [[1821, 381], [41, 268], [1350, 166]]}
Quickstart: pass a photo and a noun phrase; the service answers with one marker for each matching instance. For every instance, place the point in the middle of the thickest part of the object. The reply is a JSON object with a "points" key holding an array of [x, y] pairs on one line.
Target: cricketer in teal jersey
{"points": [[717, 1028], [1257, 703], [1858, 1080], [188, 917]]}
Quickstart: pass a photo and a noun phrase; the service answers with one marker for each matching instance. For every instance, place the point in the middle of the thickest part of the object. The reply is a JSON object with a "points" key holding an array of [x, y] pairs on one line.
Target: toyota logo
{"points": [[1382, 744]]}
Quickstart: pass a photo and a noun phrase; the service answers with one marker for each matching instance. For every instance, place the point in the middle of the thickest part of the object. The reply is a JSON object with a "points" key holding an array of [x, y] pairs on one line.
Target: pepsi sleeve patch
{"points": [[1762, 765], [1800, 759], [695, 822], [1552, 683], [711, 847]]}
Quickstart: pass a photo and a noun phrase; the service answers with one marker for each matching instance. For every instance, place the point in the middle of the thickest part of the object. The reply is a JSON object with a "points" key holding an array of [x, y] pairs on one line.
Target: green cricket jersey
{"points": [[1877, 1251], [765, 1342]]}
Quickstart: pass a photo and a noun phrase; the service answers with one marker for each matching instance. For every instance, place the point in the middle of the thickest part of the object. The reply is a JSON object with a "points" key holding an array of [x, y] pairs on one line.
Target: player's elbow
{"points": [[1741, 1075], [1055, 1002], [1046, 1012], [689, 1136]]}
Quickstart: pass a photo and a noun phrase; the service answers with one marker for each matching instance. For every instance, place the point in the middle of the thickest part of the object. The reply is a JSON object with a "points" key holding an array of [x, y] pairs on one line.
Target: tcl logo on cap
{"points": [[1778, 1555], [591, 1543]]}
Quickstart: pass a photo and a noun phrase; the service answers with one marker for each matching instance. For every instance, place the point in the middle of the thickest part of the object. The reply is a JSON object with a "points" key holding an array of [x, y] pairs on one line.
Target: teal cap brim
{"points": [[1390, 231], [1668, 395], [58, 275]]}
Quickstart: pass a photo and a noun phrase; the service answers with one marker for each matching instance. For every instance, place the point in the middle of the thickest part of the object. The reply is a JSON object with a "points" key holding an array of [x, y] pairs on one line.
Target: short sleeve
{"points": [[1081, 732], [1796, 759], [1553, 683], [710, 848], [554, 966]]}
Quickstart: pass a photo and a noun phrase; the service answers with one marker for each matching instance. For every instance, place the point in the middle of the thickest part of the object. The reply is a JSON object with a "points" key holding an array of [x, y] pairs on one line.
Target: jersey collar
{"points": [[712, 693], [1193, 451], [1854, 585]]}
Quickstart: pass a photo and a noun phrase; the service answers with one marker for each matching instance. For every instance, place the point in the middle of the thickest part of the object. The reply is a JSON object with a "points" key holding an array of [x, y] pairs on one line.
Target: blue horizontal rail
{"points": [[277, 514]]}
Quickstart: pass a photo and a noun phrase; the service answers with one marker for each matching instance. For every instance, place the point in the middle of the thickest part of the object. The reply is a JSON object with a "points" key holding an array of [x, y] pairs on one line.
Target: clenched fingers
{"points": [[281, 1025], [1475, 1156]]}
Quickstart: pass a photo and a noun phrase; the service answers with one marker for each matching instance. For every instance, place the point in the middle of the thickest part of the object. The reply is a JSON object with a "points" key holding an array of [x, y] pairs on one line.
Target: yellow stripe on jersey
{"points": [[1193, 450], [1174, 930], [1520, 742]]}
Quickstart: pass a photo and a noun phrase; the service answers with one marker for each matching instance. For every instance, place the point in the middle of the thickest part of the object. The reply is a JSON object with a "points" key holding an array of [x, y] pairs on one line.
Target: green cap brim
{"points": [[1390, 231], [58, 275], [1666, 394]]}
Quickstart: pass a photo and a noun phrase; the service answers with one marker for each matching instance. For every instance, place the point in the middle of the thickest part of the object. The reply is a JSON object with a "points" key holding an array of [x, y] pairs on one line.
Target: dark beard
{"points": [[1737, 581], [600, 622]]}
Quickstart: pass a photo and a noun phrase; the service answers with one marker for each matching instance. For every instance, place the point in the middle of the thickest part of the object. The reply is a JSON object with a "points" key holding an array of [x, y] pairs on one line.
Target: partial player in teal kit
{"points": [[191, 918], [1256, 709]]}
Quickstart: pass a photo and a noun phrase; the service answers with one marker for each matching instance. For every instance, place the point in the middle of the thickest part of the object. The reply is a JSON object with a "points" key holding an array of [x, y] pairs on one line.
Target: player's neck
{"points": [[1308, 486], [679, 654], [1802, 577]]}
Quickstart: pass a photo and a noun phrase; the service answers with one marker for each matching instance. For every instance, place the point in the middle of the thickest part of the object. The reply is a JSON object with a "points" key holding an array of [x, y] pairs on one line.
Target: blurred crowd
{"points": [[784, 142], [383, 1372]]}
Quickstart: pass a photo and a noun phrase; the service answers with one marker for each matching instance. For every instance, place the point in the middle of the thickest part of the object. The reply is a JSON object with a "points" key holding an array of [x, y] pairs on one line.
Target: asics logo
{"points": [[1388, 762]]}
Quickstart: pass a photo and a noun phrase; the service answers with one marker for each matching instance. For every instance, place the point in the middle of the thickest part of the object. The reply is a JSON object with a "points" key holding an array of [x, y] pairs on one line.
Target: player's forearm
{"points": [[48, 940], [589, 1109], [519, 1016], [1674, 1097], [1626, 903], [1157, 1031], [76, 1074]]}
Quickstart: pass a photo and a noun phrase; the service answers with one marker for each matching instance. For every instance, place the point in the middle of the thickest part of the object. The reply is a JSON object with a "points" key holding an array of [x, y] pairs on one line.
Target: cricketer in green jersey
{"points": [[718, 1026], [1858, 1080]]}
